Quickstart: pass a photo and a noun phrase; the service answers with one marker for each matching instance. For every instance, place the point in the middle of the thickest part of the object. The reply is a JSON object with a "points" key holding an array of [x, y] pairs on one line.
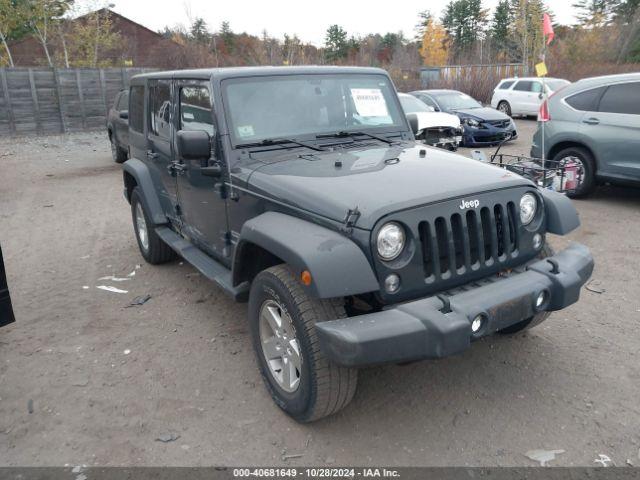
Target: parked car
{"points": [[523, 96], [118, 127], [437, 129], [594, 124], [482, 126], [6, 310], [305, 194]]}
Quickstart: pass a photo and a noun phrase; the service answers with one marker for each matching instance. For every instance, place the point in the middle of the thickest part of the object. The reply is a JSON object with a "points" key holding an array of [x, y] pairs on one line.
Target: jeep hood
{"points": [[377, 181]]}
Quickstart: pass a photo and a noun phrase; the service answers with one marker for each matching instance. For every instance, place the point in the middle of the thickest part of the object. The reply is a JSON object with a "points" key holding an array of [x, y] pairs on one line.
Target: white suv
{"points": [[523, 96]]}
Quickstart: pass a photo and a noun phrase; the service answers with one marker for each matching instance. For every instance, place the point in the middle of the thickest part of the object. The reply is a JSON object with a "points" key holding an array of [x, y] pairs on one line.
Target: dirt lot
{"points": [[103, 381]]}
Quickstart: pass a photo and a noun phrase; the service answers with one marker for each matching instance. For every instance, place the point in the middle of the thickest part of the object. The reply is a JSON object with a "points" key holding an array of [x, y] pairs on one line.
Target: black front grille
{"points": [[468, 241], [500, 123]]}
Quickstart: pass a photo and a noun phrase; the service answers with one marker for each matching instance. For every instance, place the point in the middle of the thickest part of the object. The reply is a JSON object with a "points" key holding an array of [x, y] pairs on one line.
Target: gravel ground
{"points": [[103, 382]]}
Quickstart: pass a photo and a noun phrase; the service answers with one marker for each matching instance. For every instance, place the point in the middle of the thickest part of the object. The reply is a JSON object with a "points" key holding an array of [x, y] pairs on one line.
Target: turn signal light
{"points": [[305, 277]]}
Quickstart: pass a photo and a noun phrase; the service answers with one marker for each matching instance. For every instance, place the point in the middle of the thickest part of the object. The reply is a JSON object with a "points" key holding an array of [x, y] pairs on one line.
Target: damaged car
{"points": [[437, 129]]}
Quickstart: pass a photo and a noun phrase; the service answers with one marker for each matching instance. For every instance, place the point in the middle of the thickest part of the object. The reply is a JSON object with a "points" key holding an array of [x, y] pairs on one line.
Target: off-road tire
{"points": [[506, 107], [589, 181], [157, 251], [546, 251], [119, 154], [324, 387]]}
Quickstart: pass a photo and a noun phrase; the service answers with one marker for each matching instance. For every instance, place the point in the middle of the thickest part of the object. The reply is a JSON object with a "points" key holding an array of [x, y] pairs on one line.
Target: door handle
{"points": [[591, 121], [151, 155]]}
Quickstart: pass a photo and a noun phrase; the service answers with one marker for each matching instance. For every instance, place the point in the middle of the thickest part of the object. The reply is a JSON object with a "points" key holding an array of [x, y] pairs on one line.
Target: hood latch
{"points": [[351, 219]]}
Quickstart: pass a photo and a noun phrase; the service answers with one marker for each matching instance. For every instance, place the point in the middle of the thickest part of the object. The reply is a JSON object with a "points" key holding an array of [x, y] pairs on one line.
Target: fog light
{"points": [[392, 283], [537, 241], [477, 323], [541, 299]]}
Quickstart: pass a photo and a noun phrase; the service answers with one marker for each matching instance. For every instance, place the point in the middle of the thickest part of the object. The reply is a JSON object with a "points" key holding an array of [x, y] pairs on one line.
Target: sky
{"points": [[308, 19]]}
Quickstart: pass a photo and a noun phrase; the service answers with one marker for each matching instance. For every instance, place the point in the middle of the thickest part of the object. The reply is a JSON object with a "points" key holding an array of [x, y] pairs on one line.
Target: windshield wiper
{"points": [[281, 141], [344, 134]]}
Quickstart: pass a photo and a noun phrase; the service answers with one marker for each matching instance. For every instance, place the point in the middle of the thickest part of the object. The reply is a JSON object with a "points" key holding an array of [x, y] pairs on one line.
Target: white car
{"points": [[523, 96], [437, 129]]}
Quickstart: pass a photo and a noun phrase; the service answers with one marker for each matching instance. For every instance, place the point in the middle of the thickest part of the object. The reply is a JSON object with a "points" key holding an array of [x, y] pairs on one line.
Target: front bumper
{"points": [[426, 328], [478, 137]]}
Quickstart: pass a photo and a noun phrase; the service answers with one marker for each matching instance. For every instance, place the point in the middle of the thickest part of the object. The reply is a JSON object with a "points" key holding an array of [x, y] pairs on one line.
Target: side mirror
{"points": [[412, 118], [124, 114], [194, 145]]}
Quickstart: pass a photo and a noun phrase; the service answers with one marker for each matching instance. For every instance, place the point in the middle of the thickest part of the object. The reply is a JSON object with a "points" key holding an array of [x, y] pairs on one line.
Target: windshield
{"points": [[411, 104], [295, 106], [456, 101]]}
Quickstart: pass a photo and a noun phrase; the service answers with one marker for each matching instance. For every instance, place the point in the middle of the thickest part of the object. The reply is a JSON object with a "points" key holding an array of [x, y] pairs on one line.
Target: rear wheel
{"points": [[152, 248], [586, 171], [118, 154], [504, 107], [546, 251], [282, 318]]}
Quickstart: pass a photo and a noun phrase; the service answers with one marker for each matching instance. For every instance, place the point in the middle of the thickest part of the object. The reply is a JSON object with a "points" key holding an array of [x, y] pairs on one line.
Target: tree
{"points": [[12, 17], [593, 13], [425, 17], [198, 31], [526, 31], [42, 16], [500, 24], [464, 21], [433, 49], [335, 43], [91, 36], [227, 36]]}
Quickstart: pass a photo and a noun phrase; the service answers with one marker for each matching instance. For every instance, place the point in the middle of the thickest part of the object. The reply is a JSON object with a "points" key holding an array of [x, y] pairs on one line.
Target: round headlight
{"points": [[390, 241], [528, 207]]}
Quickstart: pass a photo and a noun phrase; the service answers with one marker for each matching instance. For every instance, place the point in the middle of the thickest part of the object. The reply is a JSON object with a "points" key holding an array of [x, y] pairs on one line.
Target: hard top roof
{"points": [[234, 72]]}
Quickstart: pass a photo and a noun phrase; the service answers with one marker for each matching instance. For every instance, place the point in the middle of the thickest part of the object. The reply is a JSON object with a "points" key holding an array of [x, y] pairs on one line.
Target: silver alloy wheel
{"points": [[280, 346], [503, 108], [141, 225]]}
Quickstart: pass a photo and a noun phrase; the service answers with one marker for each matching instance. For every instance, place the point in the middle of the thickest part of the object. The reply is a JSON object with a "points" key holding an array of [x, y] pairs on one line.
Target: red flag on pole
{"points": [[547, 28]]}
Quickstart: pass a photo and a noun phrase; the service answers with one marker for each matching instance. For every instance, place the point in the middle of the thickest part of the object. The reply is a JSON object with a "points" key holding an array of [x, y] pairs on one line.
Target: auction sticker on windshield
{"points": [[369, 102]]}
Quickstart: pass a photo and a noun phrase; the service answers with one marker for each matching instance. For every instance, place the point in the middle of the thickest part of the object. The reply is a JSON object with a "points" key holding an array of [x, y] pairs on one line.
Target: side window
{"points": [[523, 86], [160, 109], [136, 109], [536, 87], [586, 101], [123, 102], [505, 85], [622, 98], [196, 112]]}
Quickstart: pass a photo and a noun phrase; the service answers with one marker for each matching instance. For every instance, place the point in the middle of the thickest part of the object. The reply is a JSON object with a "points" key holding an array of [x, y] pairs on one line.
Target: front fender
{"points": [[337, 265], [562, 216], [140, 173]]}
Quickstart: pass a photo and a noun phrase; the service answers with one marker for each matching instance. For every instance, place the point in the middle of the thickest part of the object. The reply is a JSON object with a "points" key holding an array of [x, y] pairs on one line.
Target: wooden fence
{"points": [[53, 100]]}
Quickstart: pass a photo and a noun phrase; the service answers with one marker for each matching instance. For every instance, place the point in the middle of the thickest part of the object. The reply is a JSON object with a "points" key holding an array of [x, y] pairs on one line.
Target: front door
{"points": [[615, 129], [202, 206], [159, 144]]}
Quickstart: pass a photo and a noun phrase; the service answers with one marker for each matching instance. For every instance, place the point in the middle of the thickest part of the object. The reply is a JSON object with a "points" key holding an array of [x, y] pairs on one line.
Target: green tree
{"points": [[335, 44], [42, 16], [425, 20], [499, 31], [227, 36], [199, 32], [464, 21], [13, 14], [594, 13]]}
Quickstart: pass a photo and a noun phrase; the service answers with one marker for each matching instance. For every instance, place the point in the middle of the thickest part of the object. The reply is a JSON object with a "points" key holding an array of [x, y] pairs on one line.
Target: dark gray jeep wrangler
{"points": [[303, 192]]}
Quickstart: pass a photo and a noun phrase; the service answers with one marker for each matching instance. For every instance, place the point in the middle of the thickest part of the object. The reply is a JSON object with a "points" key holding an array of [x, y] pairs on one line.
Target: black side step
{"points": [[204, 263]]}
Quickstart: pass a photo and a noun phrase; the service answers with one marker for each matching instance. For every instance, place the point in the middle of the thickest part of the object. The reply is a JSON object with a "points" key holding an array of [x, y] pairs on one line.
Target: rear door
{"points": [[6, 311], [202, 204], [521, 97], [159, 143], [615, 130]]}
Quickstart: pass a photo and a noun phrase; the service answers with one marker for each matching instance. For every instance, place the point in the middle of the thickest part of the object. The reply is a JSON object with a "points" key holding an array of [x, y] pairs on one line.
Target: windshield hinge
{"points": [[351, 219]]}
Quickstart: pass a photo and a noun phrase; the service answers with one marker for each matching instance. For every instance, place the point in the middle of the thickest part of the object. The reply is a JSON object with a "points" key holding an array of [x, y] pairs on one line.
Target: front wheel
{"points": [[152, 248], [282, 318]]}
